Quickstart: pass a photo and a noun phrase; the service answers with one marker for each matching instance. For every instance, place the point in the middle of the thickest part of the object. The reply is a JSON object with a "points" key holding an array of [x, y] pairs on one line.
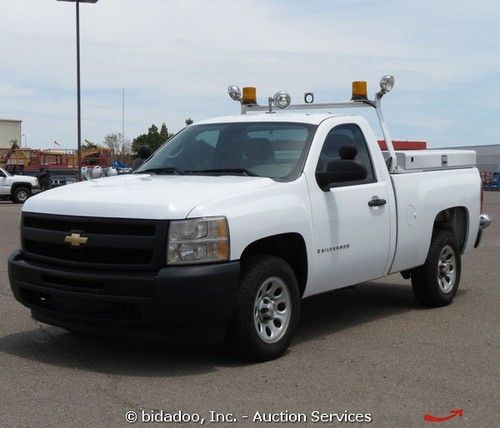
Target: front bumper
{"points": [[484, 222], [188, 303]]}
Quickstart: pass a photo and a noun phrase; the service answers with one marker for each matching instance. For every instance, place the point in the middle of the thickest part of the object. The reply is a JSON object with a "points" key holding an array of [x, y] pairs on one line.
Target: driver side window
{"points": [[338, 138]]}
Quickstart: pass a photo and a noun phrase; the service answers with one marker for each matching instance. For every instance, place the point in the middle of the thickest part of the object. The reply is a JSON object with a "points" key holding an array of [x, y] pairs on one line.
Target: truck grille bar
{"points": [[94, 243]]}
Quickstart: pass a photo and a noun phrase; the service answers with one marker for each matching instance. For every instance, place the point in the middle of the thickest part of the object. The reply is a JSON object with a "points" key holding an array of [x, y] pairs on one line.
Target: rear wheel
{"points": [[20, 194], [268, 309], [435, 283]]}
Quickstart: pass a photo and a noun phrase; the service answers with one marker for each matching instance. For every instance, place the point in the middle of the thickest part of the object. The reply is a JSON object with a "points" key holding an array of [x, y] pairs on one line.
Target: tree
{"points": [[153, 139], [120, 148], [164, 135], [14, 145], [189, 121]]}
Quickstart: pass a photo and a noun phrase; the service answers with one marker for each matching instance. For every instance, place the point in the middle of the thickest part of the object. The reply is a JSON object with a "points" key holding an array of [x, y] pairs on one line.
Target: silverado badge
{"points": [[75, 240]]}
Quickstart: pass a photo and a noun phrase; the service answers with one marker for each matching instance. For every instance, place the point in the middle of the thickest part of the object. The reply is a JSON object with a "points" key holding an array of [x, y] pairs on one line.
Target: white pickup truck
{"points": [[223, 231], [17, 188]]}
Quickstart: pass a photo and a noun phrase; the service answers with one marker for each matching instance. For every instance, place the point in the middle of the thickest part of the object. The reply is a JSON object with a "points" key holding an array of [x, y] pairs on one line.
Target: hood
{"points": [[141, 196], [25, 178]]}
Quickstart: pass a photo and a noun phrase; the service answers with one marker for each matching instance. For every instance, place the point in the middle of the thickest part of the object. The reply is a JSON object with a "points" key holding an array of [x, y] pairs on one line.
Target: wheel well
{"points": [[16, 185], [456, 220], [288, 246]]}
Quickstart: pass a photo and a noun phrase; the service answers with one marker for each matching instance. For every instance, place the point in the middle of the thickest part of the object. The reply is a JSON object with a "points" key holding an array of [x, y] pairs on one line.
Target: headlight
{"points": [[200, 240]]}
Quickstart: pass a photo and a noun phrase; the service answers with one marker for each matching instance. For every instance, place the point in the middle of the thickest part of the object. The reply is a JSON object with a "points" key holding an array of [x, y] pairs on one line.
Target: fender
{"points": [[260, 213]]}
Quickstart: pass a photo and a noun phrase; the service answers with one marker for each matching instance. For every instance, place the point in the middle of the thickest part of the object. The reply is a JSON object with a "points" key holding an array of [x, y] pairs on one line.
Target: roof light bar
{"points": [[282, 99]]}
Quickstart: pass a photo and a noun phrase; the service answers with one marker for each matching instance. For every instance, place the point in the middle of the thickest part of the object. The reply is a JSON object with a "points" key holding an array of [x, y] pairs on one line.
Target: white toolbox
{"points": [[425, 160]]}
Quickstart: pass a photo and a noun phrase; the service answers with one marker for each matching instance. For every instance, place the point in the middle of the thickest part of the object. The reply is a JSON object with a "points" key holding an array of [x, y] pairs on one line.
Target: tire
{"points": [[435, 283], [267, 309], [76, 333], [20, 194]]}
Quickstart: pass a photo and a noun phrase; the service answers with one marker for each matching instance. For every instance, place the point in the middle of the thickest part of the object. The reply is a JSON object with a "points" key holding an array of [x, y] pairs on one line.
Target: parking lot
{"points": [[370, 349]]}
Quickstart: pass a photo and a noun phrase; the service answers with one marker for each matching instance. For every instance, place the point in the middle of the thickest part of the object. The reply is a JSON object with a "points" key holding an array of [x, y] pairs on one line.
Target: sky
{"points": [[175, 59]]}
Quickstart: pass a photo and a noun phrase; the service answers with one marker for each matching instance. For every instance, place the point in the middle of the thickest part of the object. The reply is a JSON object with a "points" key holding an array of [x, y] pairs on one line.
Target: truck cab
{"points": [[230, 224]]}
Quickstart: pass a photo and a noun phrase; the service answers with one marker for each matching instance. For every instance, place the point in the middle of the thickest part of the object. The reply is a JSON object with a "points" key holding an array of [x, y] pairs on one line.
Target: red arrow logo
{"points": [[453, 413]]}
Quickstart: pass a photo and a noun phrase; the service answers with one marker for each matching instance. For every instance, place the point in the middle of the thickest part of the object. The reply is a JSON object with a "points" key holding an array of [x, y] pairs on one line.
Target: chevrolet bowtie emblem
{"points": [[75, 240]]}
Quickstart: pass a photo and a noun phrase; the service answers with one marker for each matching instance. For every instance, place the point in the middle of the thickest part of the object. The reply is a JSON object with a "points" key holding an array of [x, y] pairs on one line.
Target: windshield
{"points": [[264, 149], [5, 172]]}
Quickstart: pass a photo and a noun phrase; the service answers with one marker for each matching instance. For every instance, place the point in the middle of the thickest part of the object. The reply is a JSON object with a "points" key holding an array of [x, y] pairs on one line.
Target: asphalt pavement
{"points": [[370, 350]]}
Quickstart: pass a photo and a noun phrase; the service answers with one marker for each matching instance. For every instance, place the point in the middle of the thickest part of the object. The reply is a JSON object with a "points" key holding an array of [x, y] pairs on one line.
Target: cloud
{"points": [[175, 58]]}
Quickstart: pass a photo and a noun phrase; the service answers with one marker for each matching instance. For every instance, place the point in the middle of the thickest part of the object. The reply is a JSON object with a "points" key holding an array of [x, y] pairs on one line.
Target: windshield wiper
{"points": [[235, 171], [164, 170]]}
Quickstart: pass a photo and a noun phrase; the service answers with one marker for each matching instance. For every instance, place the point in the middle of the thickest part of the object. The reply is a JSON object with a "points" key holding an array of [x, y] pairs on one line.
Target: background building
{"points": [[10, 130]]}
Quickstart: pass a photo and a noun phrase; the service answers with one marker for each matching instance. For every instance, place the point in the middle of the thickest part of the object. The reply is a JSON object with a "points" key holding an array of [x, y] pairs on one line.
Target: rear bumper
{"points": [[484, 222], [188, 303]]}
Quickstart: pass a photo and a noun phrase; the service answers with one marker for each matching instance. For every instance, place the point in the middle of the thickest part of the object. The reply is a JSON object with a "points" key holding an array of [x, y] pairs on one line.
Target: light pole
{"points": [[78, 85]]}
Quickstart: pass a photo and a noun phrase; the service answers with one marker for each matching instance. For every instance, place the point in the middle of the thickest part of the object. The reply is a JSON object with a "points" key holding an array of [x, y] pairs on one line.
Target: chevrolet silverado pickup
{"points": [[17, 188], [235, 220]]}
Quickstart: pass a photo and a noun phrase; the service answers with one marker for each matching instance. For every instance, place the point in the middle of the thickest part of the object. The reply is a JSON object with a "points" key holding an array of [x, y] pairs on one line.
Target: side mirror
{"points": [[340, 171]]}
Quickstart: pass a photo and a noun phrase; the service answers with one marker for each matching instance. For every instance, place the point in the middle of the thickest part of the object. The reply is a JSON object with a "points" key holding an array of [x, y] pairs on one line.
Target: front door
{"points": [[351, 220]]}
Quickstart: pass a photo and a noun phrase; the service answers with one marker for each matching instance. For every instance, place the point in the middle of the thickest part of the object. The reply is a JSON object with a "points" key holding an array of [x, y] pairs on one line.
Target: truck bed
{"points": [[420, 197]]}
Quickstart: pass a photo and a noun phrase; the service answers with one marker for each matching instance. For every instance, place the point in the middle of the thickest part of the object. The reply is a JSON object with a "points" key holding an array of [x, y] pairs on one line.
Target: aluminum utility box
{"points": [[425, 160]]}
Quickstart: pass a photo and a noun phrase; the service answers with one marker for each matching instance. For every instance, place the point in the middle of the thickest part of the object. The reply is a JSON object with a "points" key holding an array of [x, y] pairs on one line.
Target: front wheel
{"points": [[436, 282], [20, 195], [267, 310]]}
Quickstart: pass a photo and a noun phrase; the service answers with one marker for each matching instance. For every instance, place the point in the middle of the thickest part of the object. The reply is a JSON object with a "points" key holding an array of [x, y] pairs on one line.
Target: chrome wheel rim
{"points": [[22, 195], [447, 269], [272, 309]]}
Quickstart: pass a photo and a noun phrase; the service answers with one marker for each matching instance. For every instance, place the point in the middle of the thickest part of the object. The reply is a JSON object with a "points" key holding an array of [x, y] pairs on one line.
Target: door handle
{"points": [[376, 202]]}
